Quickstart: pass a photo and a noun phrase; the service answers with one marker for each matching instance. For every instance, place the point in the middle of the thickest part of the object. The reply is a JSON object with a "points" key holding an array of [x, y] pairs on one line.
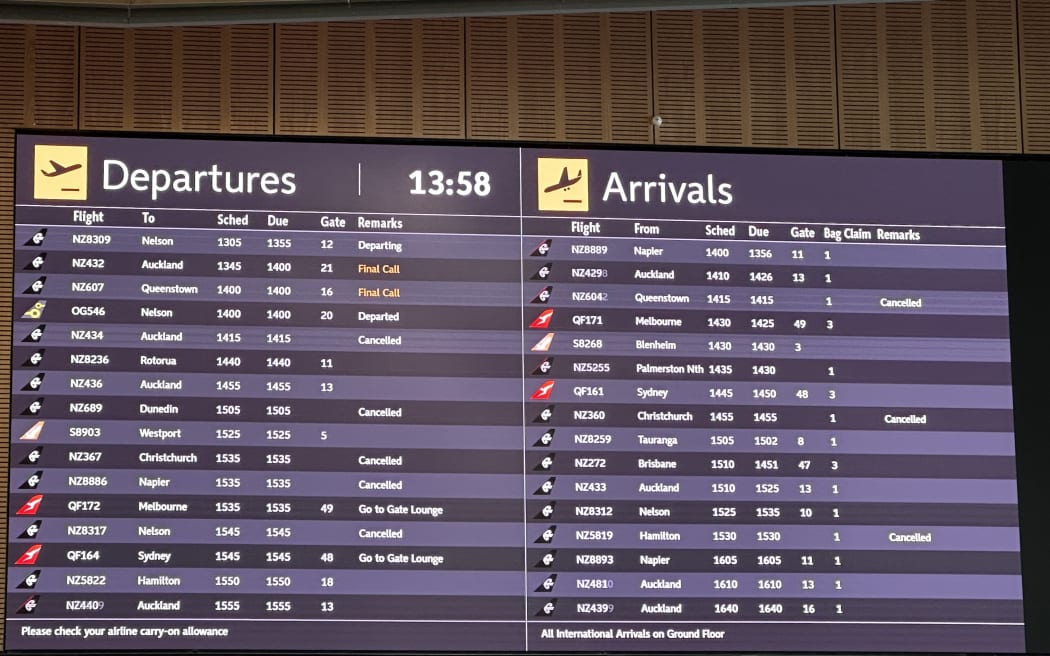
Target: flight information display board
{"points": [[376, 396]]}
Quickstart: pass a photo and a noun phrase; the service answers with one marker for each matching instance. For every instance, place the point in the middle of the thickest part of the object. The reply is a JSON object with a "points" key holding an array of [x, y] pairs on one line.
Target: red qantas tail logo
{"points": [[543, 392], [30, 555], [542, 320], [30, 507]]}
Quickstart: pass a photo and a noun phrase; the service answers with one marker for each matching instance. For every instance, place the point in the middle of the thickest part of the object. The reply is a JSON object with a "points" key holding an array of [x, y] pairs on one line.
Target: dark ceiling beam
{"points": [[13, 11]]}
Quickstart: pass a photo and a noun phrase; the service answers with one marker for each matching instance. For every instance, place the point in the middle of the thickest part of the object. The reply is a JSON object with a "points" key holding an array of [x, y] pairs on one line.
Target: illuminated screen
{"points": [[379, 396]]}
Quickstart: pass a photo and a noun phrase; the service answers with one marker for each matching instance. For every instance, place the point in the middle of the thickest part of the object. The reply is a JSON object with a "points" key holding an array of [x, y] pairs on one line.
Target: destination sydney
{"points": [[310, 396]]}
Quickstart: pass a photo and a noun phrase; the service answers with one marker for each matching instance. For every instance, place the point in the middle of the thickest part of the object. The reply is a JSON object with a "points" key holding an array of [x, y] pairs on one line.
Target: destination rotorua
{"points": [[158, 361]]}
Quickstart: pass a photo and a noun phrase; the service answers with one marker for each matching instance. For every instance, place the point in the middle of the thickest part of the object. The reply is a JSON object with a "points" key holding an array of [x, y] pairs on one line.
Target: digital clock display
{"points": [[461, 183], [369, 396]]}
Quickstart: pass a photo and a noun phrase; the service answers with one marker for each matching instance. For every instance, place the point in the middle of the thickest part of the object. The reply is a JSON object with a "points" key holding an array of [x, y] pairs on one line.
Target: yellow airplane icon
{"points": [[558, 189], [60, 172]]}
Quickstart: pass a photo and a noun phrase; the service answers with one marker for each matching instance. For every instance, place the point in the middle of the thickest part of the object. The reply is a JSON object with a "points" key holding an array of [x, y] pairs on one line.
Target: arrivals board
{"points": [[385, 396]]}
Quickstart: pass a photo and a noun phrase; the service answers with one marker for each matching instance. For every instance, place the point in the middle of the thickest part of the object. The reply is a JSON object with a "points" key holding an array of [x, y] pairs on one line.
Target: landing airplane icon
{"points": [[564, 182], [58, 169]]}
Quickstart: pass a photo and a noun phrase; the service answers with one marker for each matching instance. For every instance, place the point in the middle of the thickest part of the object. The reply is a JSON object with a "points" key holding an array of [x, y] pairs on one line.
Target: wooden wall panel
{"points": [[994, 59], [247, 85], [106, 61], [51, 76], [384, 78], [629, 66], [538, 95], [1034, 32], [757, 77], [939, 75], [14, 57], [492, 83], [390, 73], [579, 77], [152, 79], [812, 91], [200, 79], [438, 77], [302, 77]]}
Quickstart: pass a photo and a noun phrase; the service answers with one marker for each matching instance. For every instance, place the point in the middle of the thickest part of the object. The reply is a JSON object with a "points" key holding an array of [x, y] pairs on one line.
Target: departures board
{"points": [[388, 396]]}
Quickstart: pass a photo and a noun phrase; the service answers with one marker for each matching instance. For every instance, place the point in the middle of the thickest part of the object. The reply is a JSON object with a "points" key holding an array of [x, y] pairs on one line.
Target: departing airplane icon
{"points": [[59, 169], [564, 183]]}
